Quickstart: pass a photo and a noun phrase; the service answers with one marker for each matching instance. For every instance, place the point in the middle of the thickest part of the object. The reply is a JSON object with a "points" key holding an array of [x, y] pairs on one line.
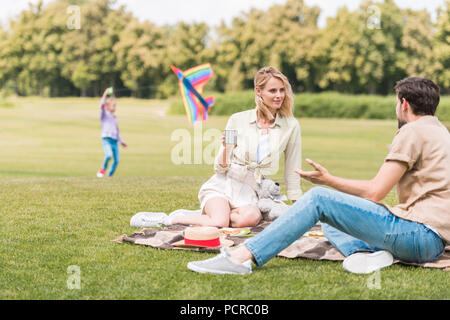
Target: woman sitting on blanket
{"points": [[229, 197]]}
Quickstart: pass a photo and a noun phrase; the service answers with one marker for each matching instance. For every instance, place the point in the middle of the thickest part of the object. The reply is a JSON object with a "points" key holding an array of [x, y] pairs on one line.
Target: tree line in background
{"points": [[361, 51]]}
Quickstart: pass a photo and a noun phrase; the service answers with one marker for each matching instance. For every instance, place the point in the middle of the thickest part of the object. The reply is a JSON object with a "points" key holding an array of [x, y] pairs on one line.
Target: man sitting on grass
{"points": [[370, 234]]}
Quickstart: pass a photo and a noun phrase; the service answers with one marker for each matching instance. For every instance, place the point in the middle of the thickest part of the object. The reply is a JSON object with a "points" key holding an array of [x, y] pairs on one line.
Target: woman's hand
{"points": [[223, 139], [227, 146], [319, 176], [227, 149]]}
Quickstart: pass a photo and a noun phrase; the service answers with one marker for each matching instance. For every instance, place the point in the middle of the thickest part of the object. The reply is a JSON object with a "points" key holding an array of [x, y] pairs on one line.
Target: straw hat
{"points": [[202, 237]]}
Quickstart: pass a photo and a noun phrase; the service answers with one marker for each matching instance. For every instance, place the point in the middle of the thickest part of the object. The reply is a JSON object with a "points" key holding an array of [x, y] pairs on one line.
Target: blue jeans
{"points": [[111, 148], [351, 224]]}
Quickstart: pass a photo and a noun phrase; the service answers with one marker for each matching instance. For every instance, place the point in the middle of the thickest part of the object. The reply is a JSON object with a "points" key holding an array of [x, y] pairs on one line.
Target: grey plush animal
{"points": [[270, 201]]}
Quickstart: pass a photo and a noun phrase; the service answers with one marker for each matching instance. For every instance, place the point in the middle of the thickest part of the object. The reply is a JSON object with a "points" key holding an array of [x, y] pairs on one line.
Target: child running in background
{"points": [[110, 133]]}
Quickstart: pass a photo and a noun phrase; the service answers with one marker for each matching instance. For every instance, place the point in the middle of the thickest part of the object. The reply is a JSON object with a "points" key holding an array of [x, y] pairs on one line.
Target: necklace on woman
{"points": [[265, 125]]}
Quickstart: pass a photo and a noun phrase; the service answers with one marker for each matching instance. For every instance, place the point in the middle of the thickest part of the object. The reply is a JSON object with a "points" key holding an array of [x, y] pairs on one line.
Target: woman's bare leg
{"points": [[216, 213], [245, 216]]}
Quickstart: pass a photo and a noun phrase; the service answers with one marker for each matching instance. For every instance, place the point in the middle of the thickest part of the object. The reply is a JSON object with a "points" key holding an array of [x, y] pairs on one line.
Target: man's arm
{"points": [[376, 189]]}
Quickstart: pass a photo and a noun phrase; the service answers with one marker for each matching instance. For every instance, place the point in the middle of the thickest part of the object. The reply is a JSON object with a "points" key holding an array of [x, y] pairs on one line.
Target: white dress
{"points": [[238, 186]]}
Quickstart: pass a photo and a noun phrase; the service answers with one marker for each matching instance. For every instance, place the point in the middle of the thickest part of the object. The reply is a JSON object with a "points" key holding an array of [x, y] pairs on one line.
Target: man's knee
{"points": [[318, 192]]}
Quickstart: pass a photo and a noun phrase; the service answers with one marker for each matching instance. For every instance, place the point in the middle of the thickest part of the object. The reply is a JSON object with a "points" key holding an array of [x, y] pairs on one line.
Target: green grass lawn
{"points": [[55, 213]]}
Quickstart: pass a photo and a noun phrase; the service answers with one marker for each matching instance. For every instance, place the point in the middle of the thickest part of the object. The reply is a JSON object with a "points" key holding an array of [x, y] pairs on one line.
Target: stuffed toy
{"points": [[270, 201]]}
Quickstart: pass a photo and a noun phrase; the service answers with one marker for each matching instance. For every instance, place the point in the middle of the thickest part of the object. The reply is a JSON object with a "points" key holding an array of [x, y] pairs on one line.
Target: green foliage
{"points": [[281, 36], [88, 60], [441, 49], [140, 53], [364, 51]]}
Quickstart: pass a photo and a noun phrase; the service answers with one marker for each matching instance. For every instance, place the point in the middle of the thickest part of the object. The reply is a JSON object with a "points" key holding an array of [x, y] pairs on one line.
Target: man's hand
{"points": [[375, 189], [124, 144], [319, 176]]}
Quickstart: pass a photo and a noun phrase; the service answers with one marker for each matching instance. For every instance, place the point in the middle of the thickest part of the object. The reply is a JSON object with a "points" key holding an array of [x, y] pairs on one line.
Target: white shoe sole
{"points": [[365, 263], [184, 212], [137, 221], [198, 269]]}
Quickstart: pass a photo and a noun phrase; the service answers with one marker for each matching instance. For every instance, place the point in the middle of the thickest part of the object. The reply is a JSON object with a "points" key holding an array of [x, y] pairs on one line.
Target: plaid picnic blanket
{"points": [[312, 245]]}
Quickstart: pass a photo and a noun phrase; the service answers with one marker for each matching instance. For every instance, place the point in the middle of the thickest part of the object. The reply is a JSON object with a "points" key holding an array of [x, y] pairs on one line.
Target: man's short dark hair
{"points": [[422, 94]]}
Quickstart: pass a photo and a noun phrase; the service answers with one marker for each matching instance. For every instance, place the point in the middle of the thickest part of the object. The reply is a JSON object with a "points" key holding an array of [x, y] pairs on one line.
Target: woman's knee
{"points": [[220, 224], [220, 221], [246, 217], [218, 210]]}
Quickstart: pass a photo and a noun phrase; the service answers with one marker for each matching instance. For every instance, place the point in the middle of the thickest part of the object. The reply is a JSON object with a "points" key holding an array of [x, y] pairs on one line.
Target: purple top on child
{"points": [[110, 126]]}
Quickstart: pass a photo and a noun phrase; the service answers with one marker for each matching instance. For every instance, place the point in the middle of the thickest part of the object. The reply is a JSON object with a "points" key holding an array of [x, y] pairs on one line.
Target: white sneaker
{"points": [[100, 173], [184, 212], [367, 262], [221, 264], [148, 219]]}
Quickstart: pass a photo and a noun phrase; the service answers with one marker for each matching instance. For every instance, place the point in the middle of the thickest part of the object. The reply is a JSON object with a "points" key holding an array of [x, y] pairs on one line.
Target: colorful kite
{"points": [[191, 84]]}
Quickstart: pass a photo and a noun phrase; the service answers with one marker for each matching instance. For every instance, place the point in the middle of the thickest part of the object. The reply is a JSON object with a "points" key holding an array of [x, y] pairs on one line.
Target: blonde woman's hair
{"points": [[262, 76]]}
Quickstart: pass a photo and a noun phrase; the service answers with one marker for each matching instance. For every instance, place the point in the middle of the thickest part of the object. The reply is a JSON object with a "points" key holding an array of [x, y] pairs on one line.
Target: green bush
{"points": [[443, 111], [176, 108], [318, 105], [6, 104], [336, 105]]}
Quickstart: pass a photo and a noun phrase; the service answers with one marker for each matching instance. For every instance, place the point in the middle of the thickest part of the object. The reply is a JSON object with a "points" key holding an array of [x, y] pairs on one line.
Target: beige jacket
{"points": [[284, 136]]}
